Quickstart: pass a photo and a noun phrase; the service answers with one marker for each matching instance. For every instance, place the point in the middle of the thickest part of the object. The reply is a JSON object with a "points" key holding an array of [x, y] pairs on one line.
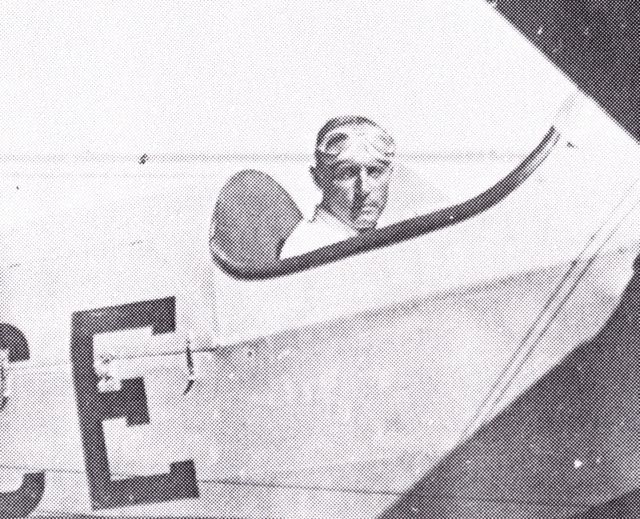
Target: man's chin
{"points": [[365, 224]]}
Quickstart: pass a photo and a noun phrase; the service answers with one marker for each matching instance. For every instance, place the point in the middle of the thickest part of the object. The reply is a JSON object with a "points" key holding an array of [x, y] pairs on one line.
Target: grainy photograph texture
{"points": [[360, 259]]}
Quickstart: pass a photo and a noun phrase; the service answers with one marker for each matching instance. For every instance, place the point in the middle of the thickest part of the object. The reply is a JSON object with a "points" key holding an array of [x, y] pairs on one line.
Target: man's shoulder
{"points": [[312, 234], [308, 235]]}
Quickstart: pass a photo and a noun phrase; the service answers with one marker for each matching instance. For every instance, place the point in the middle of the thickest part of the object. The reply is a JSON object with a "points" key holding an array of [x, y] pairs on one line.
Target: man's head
{"points": [[354, 162]]}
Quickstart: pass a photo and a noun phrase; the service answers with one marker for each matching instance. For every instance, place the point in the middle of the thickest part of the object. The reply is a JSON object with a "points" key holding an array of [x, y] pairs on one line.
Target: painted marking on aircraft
{"points": [[130, 402], [25, 499]]}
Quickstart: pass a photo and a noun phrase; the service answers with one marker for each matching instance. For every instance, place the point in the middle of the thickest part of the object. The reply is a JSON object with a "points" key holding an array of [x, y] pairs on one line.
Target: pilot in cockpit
{"points": [[354, 163]]}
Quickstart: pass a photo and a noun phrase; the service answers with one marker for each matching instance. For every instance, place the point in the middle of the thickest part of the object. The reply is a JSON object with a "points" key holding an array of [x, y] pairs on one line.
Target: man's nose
{"points": [[364, 181]]}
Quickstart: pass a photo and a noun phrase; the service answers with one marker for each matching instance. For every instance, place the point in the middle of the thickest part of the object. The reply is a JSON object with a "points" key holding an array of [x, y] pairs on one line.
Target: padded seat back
{"points": [[253, 217]]}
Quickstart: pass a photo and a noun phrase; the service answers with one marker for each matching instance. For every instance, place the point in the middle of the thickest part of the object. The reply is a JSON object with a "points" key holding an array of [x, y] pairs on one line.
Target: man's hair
{"points": [[343, 120]]}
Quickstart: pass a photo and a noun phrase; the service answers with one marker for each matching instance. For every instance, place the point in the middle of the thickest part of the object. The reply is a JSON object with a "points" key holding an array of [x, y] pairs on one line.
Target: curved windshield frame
{"points": [[397, 232]]}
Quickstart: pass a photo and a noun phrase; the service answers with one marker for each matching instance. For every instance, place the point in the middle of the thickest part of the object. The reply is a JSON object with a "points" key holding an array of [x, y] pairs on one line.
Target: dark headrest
{"points": [[253, 217]]}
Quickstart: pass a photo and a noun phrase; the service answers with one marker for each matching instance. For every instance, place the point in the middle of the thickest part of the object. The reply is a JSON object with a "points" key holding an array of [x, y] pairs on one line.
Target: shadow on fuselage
{"points": [[569, 445]]}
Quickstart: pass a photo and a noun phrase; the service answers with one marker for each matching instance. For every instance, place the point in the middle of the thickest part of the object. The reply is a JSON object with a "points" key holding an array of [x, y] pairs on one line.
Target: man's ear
{"points": [[317, 176]]}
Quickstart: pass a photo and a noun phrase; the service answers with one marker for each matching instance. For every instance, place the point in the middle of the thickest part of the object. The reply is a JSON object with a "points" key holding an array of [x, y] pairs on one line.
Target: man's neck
{"points": [[327, 210]]}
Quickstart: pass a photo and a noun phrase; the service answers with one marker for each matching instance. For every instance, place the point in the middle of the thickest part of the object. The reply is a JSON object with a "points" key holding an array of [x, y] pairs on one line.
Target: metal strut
{"points": [[4, 378]]}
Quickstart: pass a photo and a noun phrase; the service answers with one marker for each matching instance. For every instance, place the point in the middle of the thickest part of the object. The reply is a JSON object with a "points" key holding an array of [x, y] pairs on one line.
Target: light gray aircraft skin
{"points": [[328, 391], [485, 369]]}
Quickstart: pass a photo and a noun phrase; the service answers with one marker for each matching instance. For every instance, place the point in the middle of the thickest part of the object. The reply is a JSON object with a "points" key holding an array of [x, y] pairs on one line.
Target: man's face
{"points": [[353, 169], [355, 189]]}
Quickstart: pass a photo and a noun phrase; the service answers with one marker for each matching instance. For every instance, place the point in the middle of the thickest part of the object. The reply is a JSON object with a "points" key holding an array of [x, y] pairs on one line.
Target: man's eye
{"points": [[345, 173], [375, 171]]}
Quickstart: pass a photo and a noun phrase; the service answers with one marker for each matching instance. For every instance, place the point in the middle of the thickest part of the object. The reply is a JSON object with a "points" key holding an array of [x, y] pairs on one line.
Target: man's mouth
{"points": [[366, 208], [365, 215]]}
